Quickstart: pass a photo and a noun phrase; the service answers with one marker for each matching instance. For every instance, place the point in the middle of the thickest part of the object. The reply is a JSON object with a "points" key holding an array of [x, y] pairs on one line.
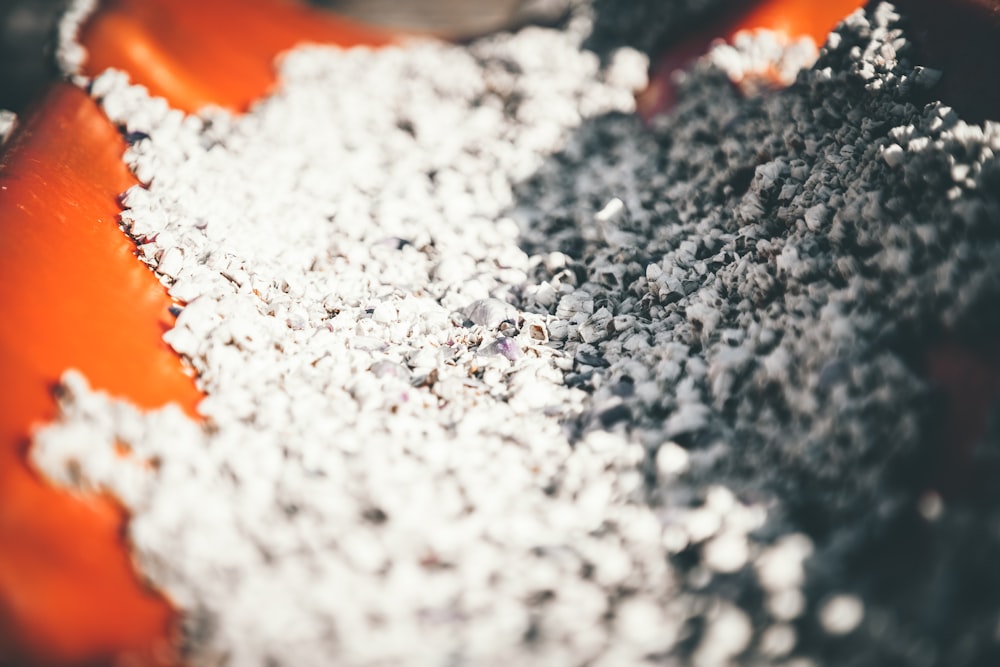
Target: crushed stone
{"points": [[496, 374]]}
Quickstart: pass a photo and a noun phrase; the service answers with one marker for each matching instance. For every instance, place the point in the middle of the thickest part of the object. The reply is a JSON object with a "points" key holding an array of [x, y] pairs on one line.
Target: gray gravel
{"points": [[498, 375]]}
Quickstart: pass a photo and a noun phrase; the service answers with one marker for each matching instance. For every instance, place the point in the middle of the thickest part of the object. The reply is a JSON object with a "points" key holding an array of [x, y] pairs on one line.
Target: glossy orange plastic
{"points": [[792, 18], [74, 295], [200, 52], [796, 18]]}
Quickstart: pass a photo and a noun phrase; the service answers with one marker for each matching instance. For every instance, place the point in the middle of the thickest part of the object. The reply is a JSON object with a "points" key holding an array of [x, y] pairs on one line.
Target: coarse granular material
{"points": [[497, 375]]}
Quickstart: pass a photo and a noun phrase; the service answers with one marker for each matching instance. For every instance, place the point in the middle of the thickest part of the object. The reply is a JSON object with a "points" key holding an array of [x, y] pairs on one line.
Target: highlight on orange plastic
{"points": [[796, 18], [792, 18], [74, 295], [200, 52]]}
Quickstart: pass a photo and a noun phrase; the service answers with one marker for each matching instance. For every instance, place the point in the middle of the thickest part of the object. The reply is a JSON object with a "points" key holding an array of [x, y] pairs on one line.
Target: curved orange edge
{"points": [[201, 52], [76, 296], [796, 18], [793, 18]]}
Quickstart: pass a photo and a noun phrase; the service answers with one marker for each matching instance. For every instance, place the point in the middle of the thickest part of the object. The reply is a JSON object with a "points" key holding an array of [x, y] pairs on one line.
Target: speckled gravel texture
{"points": [[496, 375]]}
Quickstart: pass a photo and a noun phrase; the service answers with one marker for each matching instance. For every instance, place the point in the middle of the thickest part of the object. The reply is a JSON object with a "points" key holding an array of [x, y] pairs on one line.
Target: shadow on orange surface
{"points": [[197, 52], [74, 296]]}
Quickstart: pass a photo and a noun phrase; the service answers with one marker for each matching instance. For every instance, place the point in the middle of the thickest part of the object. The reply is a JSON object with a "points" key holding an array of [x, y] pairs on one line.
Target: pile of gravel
{"points": [[497, 375]]}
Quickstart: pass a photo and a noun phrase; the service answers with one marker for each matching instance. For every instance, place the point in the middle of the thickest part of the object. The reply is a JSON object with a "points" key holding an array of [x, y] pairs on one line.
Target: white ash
{"points": [[495, 374], [841, 614]]}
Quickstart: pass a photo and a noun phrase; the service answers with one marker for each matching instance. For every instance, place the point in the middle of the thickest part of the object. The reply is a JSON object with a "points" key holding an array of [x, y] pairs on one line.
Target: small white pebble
{"points": [[641, 622], [611, 212], [930, 506], [296, 320], [729, 632], [786, 605], [490, 313], [780, 566], [385, 312], [674, 539], [894, 155], [672, 459], [816, 217], [726, 553], [8, 120], [778, 640], [702, 524], [841, 614], [720, 500], [628, 69], [171, 262]]}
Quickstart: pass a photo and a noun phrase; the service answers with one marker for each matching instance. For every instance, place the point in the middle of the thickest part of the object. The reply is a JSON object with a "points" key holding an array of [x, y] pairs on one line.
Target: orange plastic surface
{"points": [[796, 18], [792, 18], [200, 52], [74, 295]]}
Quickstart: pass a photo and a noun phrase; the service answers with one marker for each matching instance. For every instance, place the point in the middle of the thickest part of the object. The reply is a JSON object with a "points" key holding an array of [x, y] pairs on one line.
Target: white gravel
{"points": [[495, 375]]}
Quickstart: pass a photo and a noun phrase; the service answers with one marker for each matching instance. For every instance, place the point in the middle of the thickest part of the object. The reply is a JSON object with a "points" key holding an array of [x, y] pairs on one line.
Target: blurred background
{"points": [[28, 30], [27, 36], [451, 19]]}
